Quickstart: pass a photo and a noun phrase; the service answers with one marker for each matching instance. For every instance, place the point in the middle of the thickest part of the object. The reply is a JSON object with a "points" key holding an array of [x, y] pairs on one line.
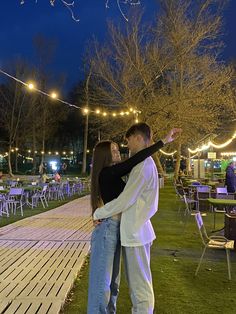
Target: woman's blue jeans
{"points": [[104, 273]]}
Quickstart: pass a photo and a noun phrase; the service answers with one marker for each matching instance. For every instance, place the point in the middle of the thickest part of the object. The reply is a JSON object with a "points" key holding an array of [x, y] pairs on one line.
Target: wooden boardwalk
{"points": [[40, 257]]}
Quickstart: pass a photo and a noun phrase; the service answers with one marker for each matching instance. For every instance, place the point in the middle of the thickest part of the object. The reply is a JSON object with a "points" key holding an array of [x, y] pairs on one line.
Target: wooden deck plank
{"points": [[6, 289], [54, 230], [46, 305], [54, 308], [22, 307], [12, 309], [34, 307], [11, 247], [4, 305], [31, 257], [41, 256]]}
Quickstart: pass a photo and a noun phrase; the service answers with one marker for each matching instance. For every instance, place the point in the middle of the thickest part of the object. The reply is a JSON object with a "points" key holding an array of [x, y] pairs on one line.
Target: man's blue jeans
{"points": [[104, 274]]}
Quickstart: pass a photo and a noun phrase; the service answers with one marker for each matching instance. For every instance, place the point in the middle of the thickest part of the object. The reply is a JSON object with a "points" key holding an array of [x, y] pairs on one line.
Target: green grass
{"points": [[28, 212], [175, 255]]}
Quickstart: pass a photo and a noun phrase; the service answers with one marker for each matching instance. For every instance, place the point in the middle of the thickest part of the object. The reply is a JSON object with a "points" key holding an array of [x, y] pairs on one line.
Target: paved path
{"points": [[40, 257]]}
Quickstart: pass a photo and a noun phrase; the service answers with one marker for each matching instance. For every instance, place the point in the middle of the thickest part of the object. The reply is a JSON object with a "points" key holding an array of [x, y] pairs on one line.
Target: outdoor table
{"points": [[216, 202], [28, 191], [5, 191], [222, 202], [30, 188], [196, 185]]}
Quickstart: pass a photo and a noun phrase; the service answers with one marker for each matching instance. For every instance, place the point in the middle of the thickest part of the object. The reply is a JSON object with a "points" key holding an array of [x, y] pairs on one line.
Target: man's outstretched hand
{"points": [[172, 135]]}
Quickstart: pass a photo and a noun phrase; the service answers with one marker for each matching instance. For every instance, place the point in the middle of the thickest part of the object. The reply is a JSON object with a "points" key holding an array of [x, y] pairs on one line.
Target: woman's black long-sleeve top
{"points": [[110, 178]]}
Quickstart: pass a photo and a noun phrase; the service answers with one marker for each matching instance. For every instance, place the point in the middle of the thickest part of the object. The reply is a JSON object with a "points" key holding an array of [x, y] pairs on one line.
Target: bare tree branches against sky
{"points": [[21, 23]]}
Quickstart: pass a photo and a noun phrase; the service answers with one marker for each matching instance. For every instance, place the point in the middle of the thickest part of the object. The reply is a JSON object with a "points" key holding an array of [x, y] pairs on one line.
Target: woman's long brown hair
{"points": [[102, 157]]}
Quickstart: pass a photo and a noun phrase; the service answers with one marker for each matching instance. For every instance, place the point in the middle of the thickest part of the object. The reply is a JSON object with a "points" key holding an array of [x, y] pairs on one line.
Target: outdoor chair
{"points": [[203, 193], [189, 203], [40, 195], [3, 206], [14, 200], [179, 194], [67, 189], [221, 190], [213, 242], [60, 192]]}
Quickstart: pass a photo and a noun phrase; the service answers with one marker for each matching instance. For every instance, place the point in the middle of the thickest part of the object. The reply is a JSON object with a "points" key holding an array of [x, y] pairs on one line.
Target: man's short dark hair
{"points": [[139, 128]]}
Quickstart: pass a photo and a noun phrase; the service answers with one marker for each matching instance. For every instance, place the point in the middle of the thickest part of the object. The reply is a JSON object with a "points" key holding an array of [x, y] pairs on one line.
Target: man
{"points": [[138, 203], [230, 178]]}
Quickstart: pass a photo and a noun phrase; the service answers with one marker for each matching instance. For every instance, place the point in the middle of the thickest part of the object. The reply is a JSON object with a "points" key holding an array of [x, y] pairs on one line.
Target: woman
{"points": [[107, 184]]}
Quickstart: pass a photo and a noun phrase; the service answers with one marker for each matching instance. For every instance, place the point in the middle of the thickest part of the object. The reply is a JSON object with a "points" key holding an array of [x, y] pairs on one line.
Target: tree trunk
{"points": [[188, 164], [9, 162], [34, 170], [177, 164], [16, 161], [158, 164], [85, 146]]}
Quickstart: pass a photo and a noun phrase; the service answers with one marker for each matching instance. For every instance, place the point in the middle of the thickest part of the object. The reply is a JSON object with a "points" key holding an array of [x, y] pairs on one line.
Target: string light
{"points": [[85, 111], [31, 86], [211, 144], [228, 154], [54, 95], [168, 154], [2, 155], [221, 145]]}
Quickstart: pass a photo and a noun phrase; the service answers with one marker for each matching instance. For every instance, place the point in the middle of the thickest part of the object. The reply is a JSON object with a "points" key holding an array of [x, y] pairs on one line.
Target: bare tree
{"points": [[13, 105], [172, 71]]}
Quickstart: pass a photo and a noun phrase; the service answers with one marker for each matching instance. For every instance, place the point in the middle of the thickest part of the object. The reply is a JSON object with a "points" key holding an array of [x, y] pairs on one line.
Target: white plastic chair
{"points": [[40, 195], [14, 200], [3, 206]]}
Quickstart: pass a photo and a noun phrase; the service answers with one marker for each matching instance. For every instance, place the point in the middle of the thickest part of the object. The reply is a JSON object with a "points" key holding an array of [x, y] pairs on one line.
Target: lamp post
{"points": [[86, 112], [85, 142]]}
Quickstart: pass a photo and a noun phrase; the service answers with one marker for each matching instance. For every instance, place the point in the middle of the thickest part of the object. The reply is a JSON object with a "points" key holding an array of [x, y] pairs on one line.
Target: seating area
{"points": [[15, 195], [192, 199]]}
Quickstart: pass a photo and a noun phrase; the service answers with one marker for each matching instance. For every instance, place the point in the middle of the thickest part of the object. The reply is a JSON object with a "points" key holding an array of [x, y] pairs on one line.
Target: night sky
{"points": [[20, 23]]}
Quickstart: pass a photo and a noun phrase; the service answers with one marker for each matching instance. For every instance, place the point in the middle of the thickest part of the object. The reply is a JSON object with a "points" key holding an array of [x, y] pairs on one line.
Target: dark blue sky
{"points": [[20, 23]]}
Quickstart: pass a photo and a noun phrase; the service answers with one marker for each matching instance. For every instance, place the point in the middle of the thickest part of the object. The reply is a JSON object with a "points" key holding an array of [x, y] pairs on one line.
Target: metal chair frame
{"points": [[213, 242]]}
